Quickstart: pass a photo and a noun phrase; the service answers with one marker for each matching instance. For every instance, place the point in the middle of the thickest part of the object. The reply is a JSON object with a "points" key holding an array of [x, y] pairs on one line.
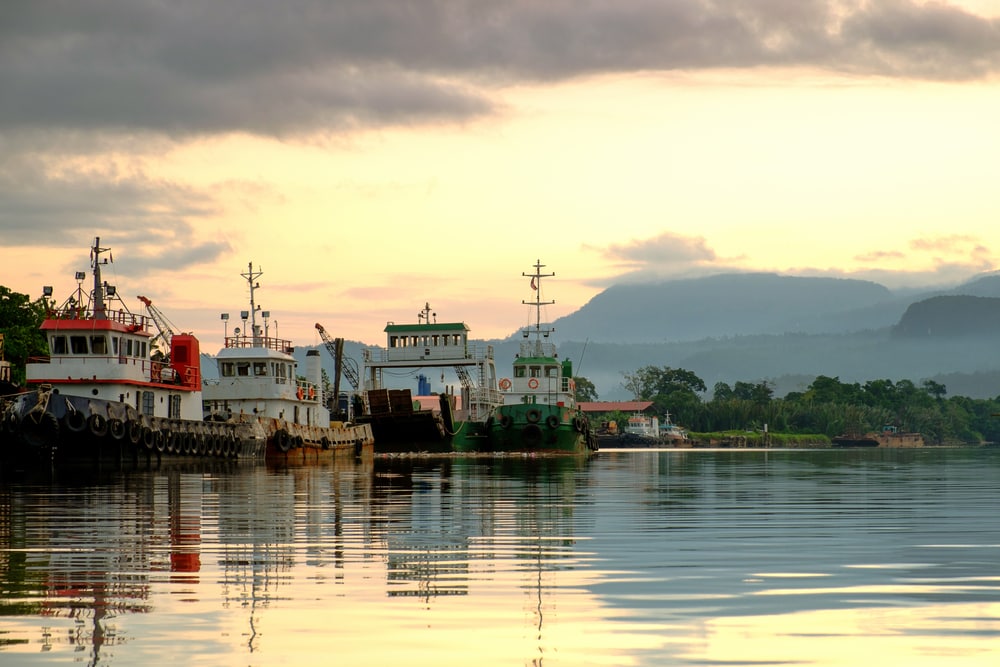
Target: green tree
{"points": [[20, 319], [722, 392], [649, 382], [585, 389], [756, 392]]}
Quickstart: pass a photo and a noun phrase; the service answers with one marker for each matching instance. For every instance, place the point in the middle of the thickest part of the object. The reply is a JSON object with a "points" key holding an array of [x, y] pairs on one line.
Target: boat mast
{"points": [[536, 285], [251, 278], [100, 312]]}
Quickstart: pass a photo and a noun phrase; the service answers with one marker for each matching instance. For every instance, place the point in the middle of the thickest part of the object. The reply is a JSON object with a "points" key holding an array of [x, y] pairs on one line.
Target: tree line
{"points": [[827, 406]]}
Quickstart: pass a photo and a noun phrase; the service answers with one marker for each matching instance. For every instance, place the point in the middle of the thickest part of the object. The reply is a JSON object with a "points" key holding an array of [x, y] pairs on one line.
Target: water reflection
{"points": [[679, 557]]}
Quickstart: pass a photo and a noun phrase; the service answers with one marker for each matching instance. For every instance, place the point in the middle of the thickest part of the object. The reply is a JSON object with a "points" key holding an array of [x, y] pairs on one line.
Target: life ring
{"points": [[312, 393], [75, 421], [298, 442], [148, 438], [552, 421], [116, 429], [572, 384], [578, 424], [533, 415], [533, 383], [134, 428], [505, 384], [282, 440], [98, 425], [506, 421], [298, 393]]}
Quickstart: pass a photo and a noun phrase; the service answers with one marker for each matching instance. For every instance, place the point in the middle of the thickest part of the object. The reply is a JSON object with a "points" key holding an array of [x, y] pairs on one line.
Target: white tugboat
{"points": [[259, 384], [106, 392]]}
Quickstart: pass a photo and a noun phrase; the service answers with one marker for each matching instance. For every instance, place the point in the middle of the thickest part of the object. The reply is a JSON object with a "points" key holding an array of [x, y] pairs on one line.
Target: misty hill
{"points": [[950, 316], [731, 305]]}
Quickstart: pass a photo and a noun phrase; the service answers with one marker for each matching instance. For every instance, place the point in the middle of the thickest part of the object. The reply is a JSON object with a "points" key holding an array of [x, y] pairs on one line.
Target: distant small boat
{"points": [[539, 412], [889, 436]]}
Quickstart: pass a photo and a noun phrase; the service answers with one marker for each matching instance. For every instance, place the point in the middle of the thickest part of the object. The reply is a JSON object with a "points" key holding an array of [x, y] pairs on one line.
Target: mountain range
{"points": [[785, 330]]}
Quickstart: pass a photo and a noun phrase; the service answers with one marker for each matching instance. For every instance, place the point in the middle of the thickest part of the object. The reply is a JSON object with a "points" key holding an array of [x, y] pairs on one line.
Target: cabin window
{"points": [[147, 403], [114, 345], [552, 371], [59, 345], [227, 369], [174, 407], [519, 371], [142, 353], [99, 345], [392, 341], [243, 369], [260, 368], [458, 339], [78, 344], [128, 347], [535, 371]]}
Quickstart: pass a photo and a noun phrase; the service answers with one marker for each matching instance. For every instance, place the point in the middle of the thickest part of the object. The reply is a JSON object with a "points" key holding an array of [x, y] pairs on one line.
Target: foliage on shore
{"points": [[826, 409]]}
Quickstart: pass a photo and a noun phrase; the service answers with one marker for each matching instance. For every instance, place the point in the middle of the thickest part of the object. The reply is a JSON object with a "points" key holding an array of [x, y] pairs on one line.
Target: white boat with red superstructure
{"points": [[258, 382], [106, 390]]}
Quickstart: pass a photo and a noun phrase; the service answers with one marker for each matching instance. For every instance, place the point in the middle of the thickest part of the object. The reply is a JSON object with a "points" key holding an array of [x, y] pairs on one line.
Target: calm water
{"points": [[634, 558]]}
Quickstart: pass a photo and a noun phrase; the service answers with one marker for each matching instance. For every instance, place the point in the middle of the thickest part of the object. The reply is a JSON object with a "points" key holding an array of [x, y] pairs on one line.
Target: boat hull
{"points": [[45, 426], [542, 429], [298, 444]]}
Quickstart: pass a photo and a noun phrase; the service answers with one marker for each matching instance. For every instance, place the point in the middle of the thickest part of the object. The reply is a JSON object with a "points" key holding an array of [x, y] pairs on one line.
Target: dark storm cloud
{"points": [[268, 67]]}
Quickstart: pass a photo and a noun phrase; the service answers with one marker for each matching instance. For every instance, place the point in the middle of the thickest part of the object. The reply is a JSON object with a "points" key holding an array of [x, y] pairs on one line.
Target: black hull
{"points": [[421, 431], [46, 428]]}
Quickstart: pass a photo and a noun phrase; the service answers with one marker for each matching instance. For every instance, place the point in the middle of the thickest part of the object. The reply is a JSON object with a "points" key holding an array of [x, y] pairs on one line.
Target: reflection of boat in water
{"points": [[455, 422], [259, 385], [889, 436], [539, 411], [106, 391]]}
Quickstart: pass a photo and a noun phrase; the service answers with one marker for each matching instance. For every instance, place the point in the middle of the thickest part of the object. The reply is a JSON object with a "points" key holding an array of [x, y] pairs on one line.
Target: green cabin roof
{"points": [[425, 328]]}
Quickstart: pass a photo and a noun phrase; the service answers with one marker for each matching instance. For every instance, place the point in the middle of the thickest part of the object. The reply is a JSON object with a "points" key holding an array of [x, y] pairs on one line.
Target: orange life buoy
{"points": [[312, 393], [298, 393], [533, 383], [505, 384]]}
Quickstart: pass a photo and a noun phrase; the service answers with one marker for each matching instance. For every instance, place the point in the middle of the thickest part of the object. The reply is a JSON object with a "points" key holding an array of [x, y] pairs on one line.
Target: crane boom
{"points": [[336, 349], [163, 325]]}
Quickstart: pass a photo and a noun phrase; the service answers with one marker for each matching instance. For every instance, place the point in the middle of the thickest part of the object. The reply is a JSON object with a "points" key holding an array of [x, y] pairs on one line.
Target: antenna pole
{"points": [[536, 284], [252, 277]]}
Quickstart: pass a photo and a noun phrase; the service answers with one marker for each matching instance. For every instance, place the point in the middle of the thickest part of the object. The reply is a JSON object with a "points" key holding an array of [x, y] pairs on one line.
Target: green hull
{"points": [[539, 429]]}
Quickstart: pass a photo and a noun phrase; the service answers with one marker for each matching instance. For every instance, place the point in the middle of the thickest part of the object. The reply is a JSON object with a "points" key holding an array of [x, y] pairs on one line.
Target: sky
{"points": [[371, 156]]}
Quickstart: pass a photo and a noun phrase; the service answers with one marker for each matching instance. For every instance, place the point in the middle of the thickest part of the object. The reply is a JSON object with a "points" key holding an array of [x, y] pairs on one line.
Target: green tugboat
{"points": [[539, 412]]}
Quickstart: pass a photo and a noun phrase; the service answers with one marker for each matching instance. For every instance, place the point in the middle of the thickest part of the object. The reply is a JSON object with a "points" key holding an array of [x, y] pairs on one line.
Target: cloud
{"points": [[189, 67], [662, 256]]}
